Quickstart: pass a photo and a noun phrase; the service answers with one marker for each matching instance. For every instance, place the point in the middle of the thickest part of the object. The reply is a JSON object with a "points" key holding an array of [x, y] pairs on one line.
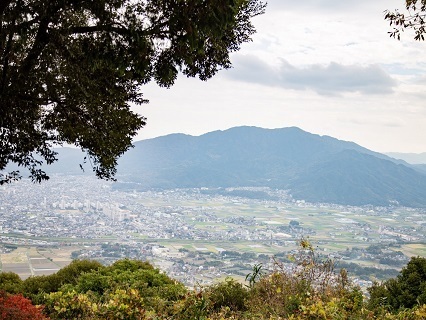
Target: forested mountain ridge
{"points": [[315, 168]]}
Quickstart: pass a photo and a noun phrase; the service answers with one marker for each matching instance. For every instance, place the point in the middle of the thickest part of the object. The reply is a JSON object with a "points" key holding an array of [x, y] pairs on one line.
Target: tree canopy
{"points": [[70, 70], [414, 19], [405, 291]]}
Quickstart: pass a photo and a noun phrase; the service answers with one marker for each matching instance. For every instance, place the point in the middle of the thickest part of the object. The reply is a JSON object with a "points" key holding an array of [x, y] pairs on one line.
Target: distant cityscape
{"points": [[195, 235]]}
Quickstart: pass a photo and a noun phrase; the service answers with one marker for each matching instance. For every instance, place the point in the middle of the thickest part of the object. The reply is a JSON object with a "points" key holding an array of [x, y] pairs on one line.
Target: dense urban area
{"points": [[197, 235]]}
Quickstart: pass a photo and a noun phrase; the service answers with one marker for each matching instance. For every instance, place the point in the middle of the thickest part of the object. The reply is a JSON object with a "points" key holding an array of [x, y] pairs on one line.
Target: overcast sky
{"points": [[326, 66]]}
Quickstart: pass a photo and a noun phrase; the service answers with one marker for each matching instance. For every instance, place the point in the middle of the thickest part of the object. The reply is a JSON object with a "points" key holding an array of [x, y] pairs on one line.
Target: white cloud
{"points": [[339, 49], [381, 122], [335, 6], [330, 79]]}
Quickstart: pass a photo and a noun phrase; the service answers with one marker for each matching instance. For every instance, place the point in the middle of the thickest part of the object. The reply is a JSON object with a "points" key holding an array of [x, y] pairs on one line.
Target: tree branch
{"points": [[5, 57], [119, 30], [98, 28], [23, 26], [3, 5], [41, 40]]}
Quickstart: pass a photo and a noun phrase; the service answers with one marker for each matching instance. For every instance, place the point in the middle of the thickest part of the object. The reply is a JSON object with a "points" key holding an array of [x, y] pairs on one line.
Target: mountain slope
{"points": [[413, 158], [315, 168], [354, 178]]}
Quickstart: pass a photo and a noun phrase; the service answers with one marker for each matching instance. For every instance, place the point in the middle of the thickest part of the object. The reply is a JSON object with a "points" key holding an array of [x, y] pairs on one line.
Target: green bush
{"points": [[35, 287], [405, 291], [70, 273], [307, 290], [10, 282], [228, 293]]}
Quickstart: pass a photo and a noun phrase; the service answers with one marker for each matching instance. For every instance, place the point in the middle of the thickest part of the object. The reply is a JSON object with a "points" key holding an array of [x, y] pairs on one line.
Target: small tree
{"points": [[406, 291], [309, 286]]}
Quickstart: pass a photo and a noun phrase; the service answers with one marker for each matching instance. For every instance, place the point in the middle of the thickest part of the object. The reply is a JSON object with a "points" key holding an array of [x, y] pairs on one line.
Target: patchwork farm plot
{"points": [[198, 234]]}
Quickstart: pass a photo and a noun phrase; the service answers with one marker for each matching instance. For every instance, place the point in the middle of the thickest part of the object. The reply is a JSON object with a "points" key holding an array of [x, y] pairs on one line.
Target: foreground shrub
{"points": [[223, 300], [10, 282], [307, 288], [158, 290], [128, 289], [405, 291], [194, 305], [17, 307], [120, 304], [37, 286], [229, 293]]}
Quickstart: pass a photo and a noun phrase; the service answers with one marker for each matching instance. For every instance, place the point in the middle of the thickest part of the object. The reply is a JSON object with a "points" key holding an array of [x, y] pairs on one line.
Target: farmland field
{"points": [[206, 236]]}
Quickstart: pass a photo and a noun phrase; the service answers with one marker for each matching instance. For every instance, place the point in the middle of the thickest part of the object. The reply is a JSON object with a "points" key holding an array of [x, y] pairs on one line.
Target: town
{"points": [[196, 235]]}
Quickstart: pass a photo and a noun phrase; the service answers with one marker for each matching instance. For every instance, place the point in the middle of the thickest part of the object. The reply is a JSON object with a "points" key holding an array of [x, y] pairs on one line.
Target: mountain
{"points": [[413, 158], [314, 168], [420, 167], [69, 160]]}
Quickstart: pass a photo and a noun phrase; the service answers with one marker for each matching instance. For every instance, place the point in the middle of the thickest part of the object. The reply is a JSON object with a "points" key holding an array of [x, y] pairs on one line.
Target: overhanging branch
{"points": [[41, 40], [3, 5]]}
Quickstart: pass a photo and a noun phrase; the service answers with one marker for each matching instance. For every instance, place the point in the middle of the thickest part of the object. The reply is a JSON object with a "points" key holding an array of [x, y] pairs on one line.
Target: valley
{"points": [[197, 235]]}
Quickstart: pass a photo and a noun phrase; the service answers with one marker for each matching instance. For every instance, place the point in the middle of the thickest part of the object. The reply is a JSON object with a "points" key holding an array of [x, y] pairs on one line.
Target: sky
{"points": [[328, 67]]}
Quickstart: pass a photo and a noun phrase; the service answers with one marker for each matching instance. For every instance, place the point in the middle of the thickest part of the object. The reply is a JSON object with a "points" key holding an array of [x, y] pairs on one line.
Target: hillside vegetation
{"points": [[312, 167], [130, 289]]}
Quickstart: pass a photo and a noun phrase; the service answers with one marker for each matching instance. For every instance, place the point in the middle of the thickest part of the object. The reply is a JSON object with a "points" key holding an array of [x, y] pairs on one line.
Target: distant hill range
{"points": [[413, 158], [314, 168], [417, 160]]}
